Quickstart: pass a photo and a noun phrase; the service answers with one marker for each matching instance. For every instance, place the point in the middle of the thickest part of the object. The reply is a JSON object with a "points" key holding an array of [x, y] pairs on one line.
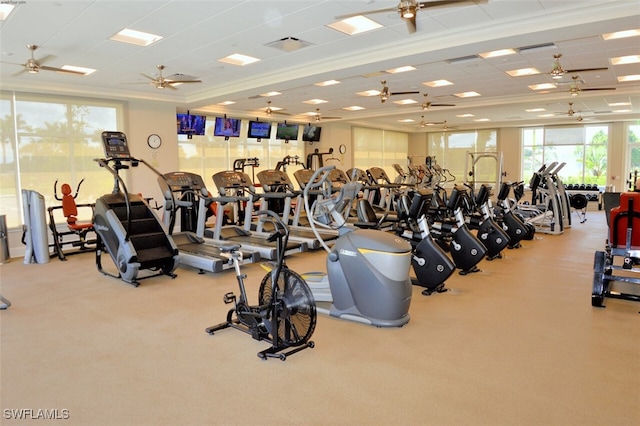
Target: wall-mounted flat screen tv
{"points": [[227, 127], [288, 132], [311, 133], [259, 130], [190, 124]]}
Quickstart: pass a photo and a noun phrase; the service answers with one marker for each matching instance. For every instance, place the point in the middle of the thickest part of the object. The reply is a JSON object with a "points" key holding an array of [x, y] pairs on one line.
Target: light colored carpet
{"points": [[516, 344]]}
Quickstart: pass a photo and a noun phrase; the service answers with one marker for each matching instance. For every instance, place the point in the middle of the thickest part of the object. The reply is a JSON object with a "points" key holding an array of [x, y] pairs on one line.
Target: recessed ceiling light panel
{"points": [[355, 25], [523, 71], [437, 83], [315, 101], [138, 38], [238, 59], [467, 94]]}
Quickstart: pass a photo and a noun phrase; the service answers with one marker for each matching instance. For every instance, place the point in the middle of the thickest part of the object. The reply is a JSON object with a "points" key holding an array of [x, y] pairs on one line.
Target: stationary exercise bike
{"points": [[285, 314]]}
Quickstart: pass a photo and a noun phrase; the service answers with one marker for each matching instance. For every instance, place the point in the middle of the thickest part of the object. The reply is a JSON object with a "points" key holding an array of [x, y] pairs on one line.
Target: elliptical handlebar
{"points": [[316, 182]]}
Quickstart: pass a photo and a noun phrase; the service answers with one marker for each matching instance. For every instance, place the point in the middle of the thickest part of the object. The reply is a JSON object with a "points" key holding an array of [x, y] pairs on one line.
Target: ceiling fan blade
{"points": [[368, 12], [440, 3], [46, 68], [596, 88], [443, 105], [183, 81], [403, 93], [45, 59], [22, 71], [148, 76], [587, 69]]}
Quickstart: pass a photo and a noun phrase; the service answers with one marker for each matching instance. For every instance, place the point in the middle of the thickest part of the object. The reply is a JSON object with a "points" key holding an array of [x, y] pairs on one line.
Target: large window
{"points": [[583, 149], [46, 139], [633, 150], [206, 155], [379, 148], [451, 149]]}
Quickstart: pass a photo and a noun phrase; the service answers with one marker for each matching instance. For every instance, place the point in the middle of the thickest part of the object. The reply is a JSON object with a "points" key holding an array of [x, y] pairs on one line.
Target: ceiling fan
{"points": [[426, 104], [578, 113], [269, 110], [384, 93], [575, 88], [444, 127], [33, 66], [161, 82], [557, 71], [407, 9], [317, 116]]}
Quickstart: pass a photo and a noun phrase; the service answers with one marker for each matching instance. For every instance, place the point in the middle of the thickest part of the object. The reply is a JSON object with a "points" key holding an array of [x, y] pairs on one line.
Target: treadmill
{"points": [[187, 192], [235, 187], [278, 194]]}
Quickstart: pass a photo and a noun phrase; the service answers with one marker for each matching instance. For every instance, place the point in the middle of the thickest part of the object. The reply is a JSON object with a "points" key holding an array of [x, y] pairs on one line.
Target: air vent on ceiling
{"points": [[462, 59], [289, 44], [536, 47], [603, 112]]}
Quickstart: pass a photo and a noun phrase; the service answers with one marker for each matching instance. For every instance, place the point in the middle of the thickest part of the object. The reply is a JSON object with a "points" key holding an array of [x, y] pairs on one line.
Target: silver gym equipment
{"points": [[35, 235], [367, 277]]}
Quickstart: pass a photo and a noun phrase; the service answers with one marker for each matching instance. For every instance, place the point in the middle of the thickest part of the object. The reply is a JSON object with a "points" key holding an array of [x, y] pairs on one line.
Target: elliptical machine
{"points": [[367, 277], [126, 226]]}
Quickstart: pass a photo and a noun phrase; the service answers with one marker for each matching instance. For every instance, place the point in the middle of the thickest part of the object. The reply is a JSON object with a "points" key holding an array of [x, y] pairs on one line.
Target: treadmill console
{"points": [[273, 179], [179, 181], [115, 145], [228, 181]]}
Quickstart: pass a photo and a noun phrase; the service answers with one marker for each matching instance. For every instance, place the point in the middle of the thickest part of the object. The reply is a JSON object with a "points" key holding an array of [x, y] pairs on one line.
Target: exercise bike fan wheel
{"points": [[296, 309]]}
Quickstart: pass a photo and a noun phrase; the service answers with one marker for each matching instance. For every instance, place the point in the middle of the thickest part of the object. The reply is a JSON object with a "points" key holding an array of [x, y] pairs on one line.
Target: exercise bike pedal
{"points": [[229, 298]]}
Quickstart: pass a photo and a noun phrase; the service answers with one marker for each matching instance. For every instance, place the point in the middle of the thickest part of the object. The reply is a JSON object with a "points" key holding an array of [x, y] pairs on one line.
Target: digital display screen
{"points": [[259, 129]]}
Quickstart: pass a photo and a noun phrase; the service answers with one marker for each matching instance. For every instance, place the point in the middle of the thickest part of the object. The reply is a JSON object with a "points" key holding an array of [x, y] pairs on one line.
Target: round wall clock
{"points": [[154, 141]]}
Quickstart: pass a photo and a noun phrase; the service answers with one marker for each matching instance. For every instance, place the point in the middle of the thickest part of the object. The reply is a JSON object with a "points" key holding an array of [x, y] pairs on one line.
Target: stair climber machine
{"points": [[480, 218], [235, 188], [430, 262], [449, 229], [513, 224], [367, 277], [125, 225], [185, 193]]}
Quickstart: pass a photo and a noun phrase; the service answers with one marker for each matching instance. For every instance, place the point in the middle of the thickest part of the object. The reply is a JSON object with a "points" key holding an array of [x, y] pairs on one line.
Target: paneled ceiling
{"points": [[446, 46]]}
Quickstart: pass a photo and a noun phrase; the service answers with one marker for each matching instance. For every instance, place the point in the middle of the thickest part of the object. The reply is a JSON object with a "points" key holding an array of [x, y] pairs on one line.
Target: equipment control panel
{"points": [[115, 145]]}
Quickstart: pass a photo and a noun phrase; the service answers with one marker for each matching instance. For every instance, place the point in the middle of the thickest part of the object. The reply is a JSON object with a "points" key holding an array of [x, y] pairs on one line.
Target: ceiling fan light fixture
{"points": [[408, 12], [557, 72]]}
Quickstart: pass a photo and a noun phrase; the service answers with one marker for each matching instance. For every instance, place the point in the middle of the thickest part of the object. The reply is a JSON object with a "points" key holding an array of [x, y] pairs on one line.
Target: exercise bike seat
{"points": [[70, 210]]}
